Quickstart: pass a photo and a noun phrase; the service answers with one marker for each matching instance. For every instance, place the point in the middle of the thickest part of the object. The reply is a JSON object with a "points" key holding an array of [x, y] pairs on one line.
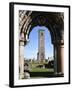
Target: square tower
{"points": [[41, 46]]}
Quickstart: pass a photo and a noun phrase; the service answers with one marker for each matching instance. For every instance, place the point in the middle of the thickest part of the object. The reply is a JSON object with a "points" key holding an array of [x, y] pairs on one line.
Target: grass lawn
{"points": [[34, 68], [38, 70], [41, 70]]}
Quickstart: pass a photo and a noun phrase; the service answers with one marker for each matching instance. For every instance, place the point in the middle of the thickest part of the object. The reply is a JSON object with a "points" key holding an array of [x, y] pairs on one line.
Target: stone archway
{"points": [[52, 20]]}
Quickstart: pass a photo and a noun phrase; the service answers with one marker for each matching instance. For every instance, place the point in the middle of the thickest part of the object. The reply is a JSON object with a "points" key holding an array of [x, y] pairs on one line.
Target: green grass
{"points": [[35, 64], [41, 70], [37, 69]]}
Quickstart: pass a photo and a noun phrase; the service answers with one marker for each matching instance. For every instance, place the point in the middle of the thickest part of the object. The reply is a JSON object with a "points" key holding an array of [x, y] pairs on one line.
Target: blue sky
{"points": [[31, 49]]}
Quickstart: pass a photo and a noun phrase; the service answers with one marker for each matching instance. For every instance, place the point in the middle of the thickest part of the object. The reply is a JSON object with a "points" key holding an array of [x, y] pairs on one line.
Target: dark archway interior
{"points": [[52, 20]]}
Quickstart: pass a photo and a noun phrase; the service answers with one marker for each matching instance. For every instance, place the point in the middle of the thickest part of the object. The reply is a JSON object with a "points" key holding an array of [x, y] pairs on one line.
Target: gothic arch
{"points": [[54, 21]]}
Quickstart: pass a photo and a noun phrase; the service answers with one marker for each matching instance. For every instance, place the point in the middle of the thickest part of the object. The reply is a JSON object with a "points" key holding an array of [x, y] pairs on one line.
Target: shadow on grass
{"points": [[45, 74]]}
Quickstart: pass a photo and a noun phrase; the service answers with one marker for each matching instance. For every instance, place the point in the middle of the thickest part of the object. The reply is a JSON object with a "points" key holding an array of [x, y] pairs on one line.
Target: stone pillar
{"points": [[21, 56], [55, 59], [60, 59], [21, 59]]}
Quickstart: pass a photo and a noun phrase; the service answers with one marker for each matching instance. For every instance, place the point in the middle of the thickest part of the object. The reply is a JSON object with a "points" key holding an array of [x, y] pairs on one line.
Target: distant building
{"points": [[50, 58]]}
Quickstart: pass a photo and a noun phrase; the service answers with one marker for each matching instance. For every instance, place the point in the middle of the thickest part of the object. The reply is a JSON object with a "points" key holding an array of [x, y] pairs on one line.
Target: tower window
{"points": [[41, 34]]}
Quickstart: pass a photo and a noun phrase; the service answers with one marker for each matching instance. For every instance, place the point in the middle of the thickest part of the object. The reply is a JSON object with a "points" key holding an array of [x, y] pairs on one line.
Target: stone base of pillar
{"points": [[21, 76], [55, 73], [60, 74], [26, 75]]}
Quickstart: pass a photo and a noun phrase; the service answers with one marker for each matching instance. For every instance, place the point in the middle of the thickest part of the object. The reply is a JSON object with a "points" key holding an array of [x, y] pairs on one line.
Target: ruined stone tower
{"points": [[41, 46]]}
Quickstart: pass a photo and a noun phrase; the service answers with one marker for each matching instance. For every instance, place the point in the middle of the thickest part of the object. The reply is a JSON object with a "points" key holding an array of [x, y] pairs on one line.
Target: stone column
{"points": [[60, 59], [21, 56], [55, 59]]}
